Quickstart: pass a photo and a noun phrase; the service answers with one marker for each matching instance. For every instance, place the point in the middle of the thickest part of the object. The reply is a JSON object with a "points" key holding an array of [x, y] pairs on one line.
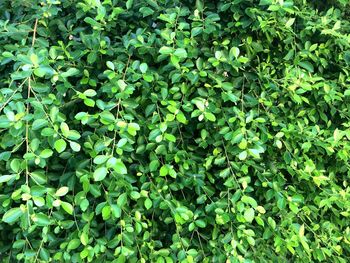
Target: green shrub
{"points": [[174, 131]]}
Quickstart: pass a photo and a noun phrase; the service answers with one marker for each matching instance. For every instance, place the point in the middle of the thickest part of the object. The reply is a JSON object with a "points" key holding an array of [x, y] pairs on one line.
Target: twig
{"points": [[34, 32]]}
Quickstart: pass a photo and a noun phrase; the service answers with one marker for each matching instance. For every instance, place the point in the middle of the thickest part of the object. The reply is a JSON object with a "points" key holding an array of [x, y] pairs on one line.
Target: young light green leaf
{"points": [[46, 153], [249, 215], [119, 167], [60, 145], [290, 22], [100, 173], [143, 67], [67, 207], [243, 155], [234, 51], [74, 146], [148, 203], [62, 191], [110, 65], [84, 239], [90, 93], [163, 170]]}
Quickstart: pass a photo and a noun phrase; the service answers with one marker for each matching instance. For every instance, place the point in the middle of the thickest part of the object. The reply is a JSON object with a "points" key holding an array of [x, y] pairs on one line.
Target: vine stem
{"points": [[119, 106], [27, 113], [28, 105]]}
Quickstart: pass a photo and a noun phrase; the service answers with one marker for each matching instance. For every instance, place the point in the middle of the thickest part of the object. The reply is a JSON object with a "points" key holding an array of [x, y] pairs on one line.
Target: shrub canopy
{"points": [[174, 131]]}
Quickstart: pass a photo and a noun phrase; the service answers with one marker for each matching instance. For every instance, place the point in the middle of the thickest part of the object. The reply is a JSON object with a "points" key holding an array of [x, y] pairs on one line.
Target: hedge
{"points": [[174, 131]]}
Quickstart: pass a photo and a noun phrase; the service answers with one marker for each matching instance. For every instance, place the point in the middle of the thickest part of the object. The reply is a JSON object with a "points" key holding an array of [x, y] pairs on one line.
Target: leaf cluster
{"points": [[174, 131]]}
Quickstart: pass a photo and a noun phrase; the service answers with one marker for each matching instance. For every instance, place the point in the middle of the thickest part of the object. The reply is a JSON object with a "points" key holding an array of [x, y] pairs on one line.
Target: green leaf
{"points": [[39, 177], [62, 191], [89, 102], [180, 53], [12, 215], [148, 203], [122, 142], [243, 155], [234, 51], [133, 128], [84, 239], [143, 67], [60, 145], [15, 165], [46, 153], [90, 93], [153, 166], [42, 71], [92, 22], [249, 215], [7, 178], [107, 117], [290, 22], [301, 231], [64, 128], [306, 65], [249, 200], [19, 244], [110, 65], [70, 72], [200, 223], [34, 59], [74, 146], [39, 123], [135, 195], [67, 207], [38, 201], [170, 137], [163, 170], [166, 50], [116, 211], [146, 11], [122, 199], [106, 212], [100, 159], [129, 4], [122, 85], [41, 219], [181, 118], [271, 222], [73, 244], [210, 116], [100, 173], [119, 167], [199, 5], [196, 31], [337, 25]]}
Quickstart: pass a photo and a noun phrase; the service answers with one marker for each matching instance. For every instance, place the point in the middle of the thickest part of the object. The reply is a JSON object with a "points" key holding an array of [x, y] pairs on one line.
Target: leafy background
{"points": [[174, 131]]}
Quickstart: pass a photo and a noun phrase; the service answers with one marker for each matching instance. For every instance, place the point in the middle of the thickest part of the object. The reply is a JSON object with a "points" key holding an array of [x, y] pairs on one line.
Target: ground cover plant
{"points": [[174, 131]]}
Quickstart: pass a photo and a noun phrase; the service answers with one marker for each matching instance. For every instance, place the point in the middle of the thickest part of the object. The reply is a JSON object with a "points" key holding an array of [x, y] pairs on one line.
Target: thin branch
{"points": [[34, 32]]}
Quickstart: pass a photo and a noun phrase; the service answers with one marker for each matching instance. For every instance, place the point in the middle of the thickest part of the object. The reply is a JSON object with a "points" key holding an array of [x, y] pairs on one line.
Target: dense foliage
{"points": [[174, 131]]}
